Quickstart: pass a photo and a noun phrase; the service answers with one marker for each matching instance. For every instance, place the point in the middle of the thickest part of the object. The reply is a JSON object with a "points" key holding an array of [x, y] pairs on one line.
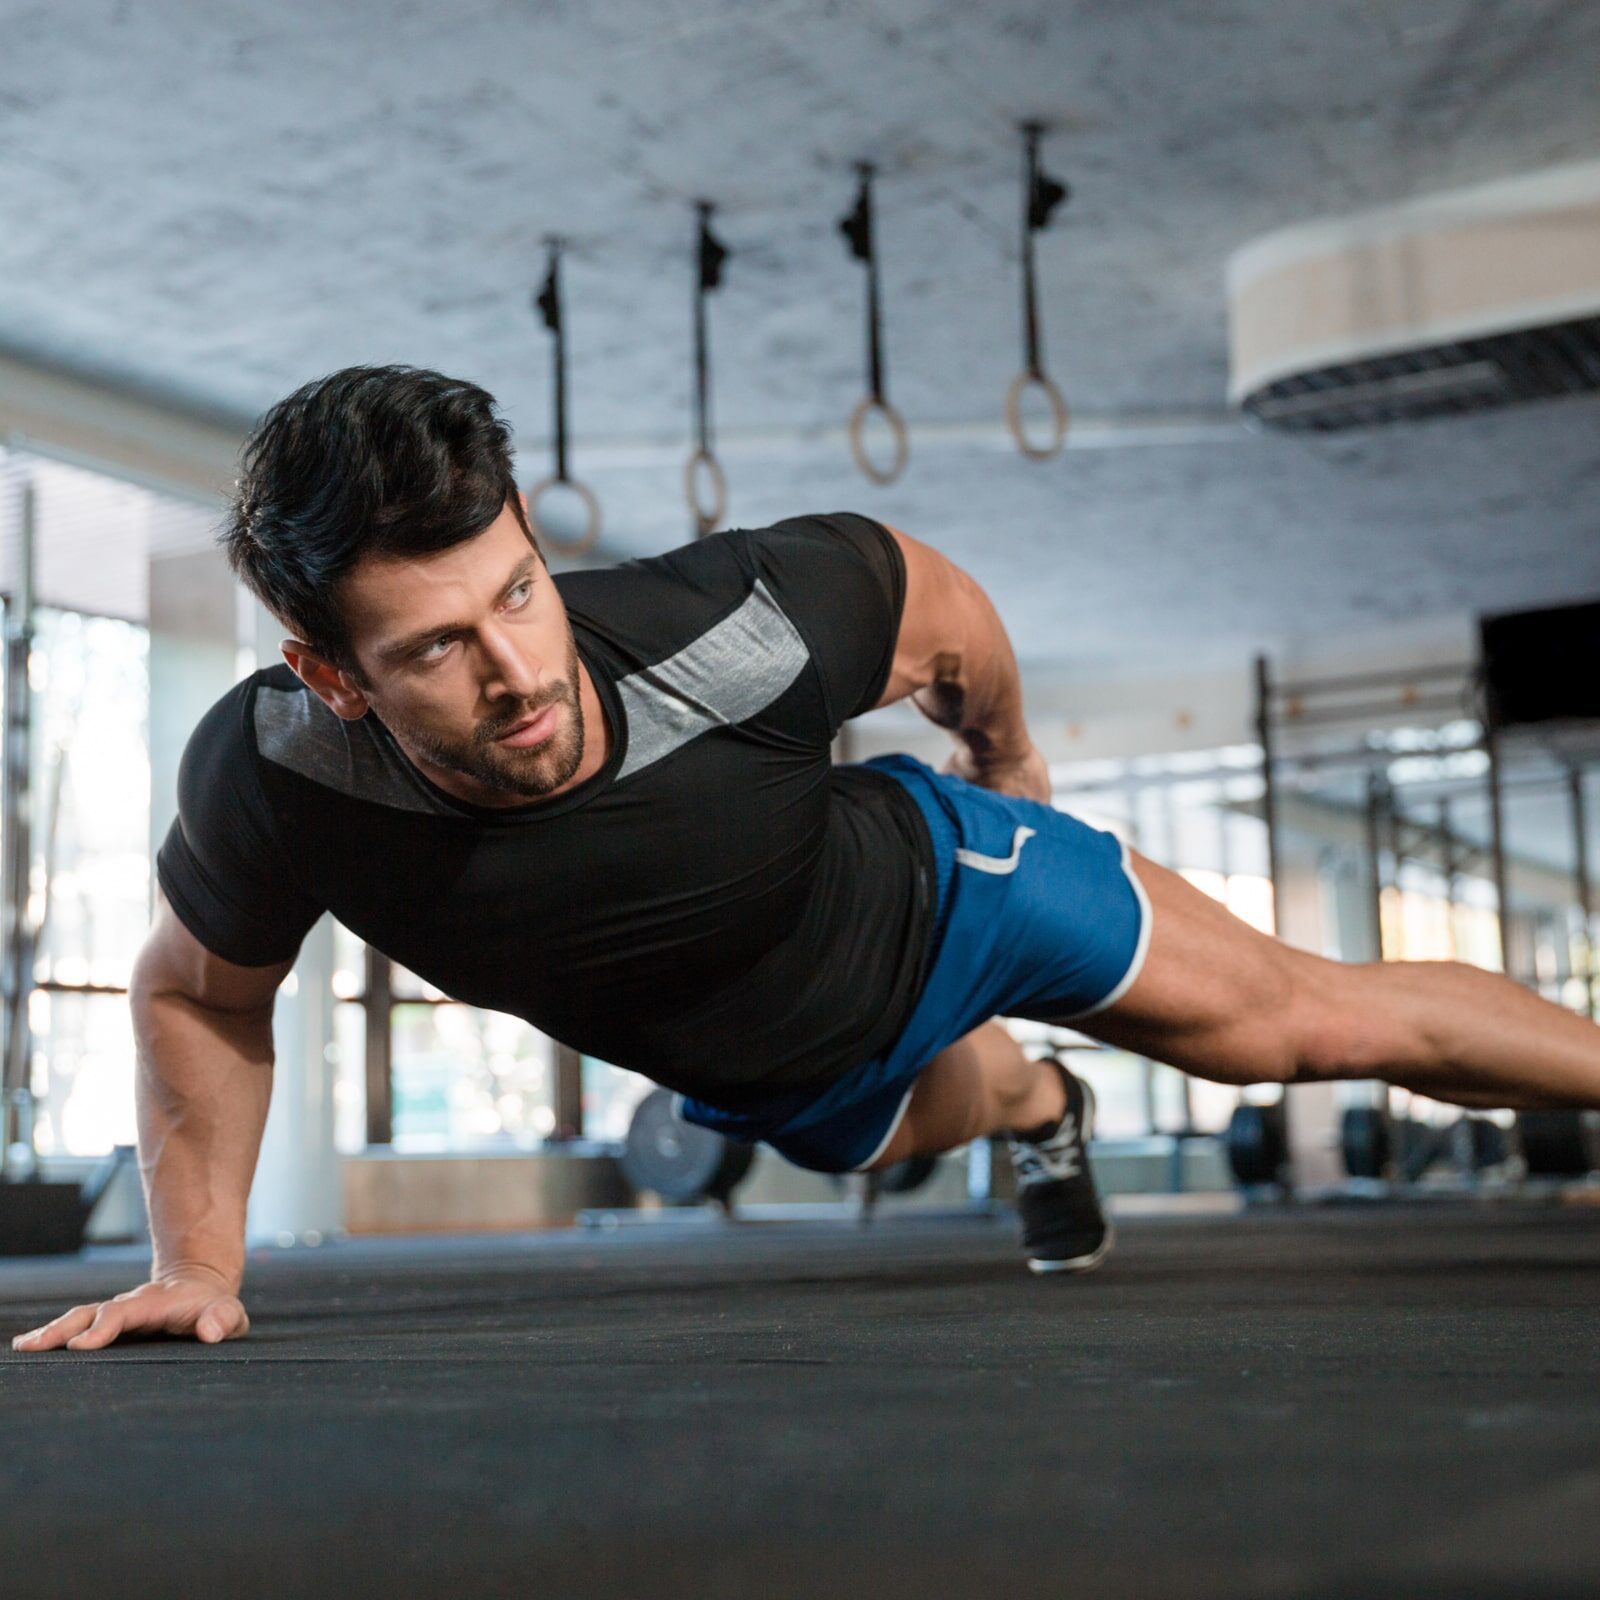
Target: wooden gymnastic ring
{"points": [[902, 443], [590, 537], [1058, 407], [705, 521]]}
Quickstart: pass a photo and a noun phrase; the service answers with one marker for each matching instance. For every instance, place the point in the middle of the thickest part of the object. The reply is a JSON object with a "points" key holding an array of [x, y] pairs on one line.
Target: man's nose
{"points": [[511, 670]]}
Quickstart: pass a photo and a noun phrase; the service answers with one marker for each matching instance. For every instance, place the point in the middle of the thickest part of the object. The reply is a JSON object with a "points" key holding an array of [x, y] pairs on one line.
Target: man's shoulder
{"points": [[719, 557], [224, 722], [654, 605], [218, 771], [720, 569], [232, 722], [270, 723]]}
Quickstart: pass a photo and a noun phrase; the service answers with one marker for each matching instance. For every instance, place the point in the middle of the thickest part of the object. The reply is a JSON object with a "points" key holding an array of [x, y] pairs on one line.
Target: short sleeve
{"points": [[222, 866], [841, 580]]}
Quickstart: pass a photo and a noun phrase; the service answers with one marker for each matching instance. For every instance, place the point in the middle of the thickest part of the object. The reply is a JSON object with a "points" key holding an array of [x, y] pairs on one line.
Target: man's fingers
{"points": [[153, 1308], [109, 1321], [55, 1334], [222, 1319]]}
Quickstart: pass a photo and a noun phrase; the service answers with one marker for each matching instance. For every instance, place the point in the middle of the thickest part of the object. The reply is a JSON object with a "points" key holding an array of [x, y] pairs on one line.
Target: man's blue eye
{"points": [[424, 654]]}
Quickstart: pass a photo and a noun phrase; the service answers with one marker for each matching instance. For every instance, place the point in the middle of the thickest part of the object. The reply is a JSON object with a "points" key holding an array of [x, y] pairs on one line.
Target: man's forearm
{"points": [[976, 689], [204, 1080]]}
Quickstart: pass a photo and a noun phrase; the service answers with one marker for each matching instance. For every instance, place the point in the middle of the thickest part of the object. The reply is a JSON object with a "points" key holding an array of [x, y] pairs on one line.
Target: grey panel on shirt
{"points": [[732, 672], [295, 729]]}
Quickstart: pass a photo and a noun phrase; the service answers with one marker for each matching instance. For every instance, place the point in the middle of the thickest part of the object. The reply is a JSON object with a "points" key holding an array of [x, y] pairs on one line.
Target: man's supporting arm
{"points": [[205, 1080], [954, 661], [203, 1032]]}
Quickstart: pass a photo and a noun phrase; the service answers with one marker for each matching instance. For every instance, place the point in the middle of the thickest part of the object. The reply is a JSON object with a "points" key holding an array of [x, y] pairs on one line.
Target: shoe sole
{"points": [[1043, 1265]]}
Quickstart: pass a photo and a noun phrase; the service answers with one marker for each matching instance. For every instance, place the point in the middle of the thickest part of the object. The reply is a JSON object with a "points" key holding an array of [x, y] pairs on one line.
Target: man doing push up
{"points": [[605, 802]]}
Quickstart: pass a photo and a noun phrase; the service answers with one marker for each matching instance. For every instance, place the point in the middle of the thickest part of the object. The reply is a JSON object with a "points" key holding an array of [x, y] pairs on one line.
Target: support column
{"points": [[1448, 860], [194, 661], [17, 1158], [568, 1099], [379, 1047], [1311, 1112], [1497, 847], [1314, 1159], [1581, 883]]}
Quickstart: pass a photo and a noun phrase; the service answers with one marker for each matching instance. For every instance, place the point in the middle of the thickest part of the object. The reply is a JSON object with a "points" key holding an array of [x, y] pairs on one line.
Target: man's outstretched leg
{"points": [[1216, 998], [985, 1084], [1221, 1000]]}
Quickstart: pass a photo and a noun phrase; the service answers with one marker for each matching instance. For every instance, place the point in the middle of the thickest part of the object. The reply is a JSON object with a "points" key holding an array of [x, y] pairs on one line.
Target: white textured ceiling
{"points": [[216, 202]]}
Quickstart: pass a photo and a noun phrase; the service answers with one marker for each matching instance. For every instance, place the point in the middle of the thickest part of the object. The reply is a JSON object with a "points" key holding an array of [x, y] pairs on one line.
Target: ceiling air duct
{"points": [[1455, 302]]}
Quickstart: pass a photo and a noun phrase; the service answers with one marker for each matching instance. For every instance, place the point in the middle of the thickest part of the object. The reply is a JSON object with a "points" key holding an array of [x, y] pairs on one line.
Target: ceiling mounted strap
{"points": [[710, 255], [548, 303], [857, 227], [1041, 195]]}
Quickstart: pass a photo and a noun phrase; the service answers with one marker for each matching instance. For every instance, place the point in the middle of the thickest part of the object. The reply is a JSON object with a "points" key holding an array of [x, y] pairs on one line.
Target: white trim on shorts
{"points": [[1147, 919], [894, 1127], [999, 866]]}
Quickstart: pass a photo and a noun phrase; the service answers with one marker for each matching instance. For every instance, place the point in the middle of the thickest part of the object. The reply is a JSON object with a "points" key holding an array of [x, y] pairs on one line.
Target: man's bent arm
{"points": [[203, 1080], [953, 659], [203, 1084]]}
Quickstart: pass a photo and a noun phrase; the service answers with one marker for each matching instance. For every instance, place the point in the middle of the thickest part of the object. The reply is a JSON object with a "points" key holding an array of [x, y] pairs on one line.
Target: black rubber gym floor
{"points": [[1384, 1401]]}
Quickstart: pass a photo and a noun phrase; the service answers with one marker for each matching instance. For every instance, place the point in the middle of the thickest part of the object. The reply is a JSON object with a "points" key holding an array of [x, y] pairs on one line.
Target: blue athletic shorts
{"points": [[1039, 916]]}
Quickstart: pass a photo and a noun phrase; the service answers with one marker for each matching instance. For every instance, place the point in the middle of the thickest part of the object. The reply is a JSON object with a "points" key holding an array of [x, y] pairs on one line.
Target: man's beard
{"points": [[530, 773]]}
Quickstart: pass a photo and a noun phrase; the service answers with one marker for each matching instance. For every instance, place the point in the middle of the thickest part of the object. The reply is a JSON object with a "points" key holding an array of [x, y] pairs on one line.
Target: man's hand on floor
{"points": [[191, 1302]]}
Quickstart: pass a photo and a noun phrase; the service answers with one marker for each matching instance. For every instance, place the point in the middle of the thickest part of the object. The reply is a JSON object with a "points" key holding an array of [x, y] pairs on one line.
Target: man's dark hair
{"points": [[383, 462]]}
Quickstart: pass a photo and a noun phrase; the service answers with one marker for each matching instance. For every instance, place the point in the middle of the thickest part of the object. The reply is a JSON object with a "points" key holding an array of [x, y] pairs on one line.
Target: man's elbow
{"points": [[942, 621]]}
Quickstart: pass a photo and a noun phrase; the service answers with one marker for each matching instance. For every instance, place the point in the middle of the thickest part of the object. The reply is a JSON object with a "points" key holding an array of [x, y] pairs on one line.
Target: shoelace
{"points": [[1050, 1161]]}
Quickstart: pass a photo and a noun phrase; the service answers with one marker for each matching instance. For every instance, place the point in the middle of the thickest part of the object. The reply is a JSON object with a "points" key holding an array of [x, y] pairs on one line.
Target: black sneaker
{"points": [[1063, 1227]]}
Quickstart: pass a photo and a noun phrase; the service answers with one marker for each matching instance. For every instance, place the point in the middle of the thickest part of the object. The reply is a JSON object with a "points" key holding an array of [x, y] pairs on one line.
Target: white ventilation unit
{"points": [[1452, 303]]}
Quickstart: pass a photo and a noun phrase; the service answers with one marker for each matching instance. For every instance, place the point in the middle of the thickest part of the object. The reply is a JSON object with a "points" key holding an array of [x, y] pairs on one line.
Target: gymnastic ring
{"points": [[590, 537], [705, 521], [902, 443], [1058, 408]]}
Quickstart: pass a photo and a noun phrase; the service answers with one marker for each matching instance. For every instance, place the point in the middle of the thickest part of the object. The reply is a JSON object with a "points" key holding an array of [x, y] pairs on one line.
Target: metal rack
{"points": [[1471, 755]]}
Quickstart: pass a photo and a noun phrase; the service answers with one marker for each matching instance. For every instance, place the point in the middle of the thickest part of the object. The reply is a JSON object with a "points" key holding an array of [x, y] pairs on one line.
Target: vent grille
{"points": [[1436, 380]]}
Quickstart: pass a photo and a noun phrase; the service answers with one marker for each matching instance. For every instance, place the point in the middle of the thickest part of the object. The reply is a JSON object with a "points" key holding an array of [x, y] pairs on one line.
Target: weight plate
{"points": [[1257, 1143], [1555, 1144], [1488, 1143], [1364, 1140], [678, 1160], [906, 1177]]}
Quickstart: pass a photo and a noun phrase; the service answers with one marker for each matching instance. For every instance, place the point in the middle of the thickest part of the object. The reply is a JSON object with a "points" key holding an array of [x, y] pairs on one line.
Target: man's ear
{"points": [[329, 683]]}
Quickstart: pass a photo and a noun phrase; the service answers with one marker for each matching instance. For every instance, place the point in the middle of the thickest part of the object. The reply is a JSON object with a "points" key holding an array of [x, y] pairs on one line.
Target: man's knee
{"points": [[1311, 1033]]}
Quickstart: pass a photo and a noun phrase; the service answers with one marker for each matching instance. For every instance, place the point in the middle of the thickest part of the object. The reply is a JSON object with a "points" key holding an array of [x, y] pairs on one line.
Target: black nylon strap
{"points": [[1041, 195], [548, 303], [857, 228], [710, 256]]}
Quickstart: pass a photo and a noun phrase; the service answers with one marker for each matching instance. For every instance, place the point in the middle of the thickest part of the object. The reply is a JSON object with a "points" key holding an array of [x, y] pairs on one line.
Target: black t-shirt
{"points": [[719, 907]]}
